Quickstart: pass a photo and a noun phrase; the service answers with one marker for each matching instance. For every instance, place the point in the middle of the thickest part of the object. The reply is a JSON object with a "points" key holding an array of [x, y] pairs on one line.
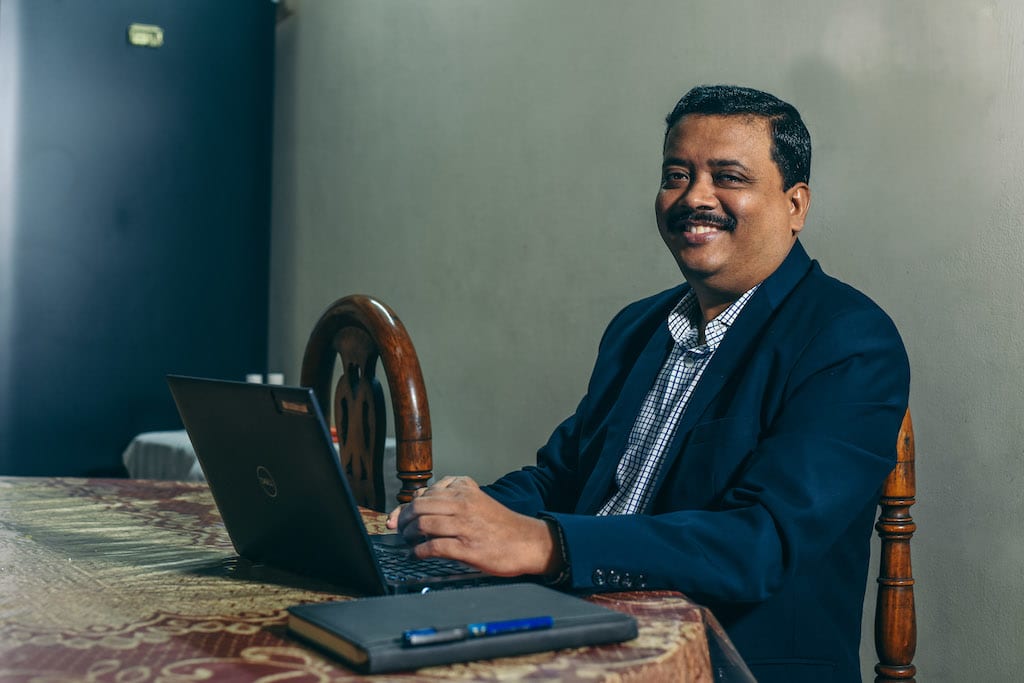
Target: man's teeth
{"points": [[700, 229]]}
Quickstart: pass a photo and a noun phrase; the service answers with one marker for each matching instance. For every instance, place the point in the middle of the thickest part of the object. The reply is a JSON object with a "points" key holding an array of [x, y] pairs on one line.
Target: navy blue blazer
{"points": [[764, 506]]}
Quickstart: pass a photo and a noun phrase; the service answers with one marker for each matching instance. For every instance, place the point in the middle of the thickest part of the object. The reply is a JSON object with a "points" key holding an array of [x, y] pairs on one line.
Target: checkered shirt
{"points": [[665, 402]]}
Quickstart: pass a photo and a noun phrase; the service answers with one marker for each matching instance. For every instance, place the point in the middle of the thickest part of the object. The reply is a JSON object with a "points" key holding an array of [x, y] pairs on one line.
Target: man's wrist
{"points": [[559, 569]]}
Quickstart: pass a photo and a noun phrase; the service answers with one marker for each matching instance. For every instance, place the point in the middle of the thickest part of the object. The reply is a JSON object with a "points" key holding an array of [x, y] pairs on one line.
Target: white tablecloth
{"points": [[162, 455]]}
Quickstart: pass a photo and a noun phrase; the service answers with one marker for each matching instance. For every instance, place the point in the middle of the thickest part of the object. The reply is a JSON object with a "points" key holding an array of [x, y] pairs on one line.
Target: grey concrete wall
{"points": [[489, 170]]}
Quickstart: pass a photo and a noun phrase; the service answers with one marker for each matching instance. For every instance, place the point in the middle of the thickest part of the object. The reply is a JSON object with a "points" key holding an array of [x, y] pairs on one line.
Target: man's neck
{"points": [[712, 304]]}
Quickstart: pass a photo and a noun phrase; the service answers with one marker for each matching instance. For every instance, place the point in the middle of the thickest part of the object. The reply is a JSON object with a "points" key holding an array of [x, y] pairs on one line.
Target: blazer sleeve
{"points": [[825, 451]]}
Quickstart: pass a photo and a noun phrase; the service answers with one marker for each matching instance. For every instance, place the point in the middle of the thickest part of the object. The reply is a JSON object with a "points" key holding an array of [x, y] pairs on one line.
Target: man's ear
{"points": [[799, 198]]}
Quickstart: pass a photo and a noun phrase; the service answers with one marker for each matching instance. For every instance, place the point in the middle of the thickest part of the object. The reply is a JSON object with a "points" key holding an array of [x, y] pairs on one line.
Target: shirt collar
{"points": [[686, 333]]}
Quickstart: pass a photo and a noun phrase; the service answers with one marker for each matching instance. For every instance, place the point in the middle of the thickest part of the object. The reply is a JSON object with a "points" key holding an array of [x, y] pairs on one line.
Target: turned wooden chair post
{"points": [[360, 330], [895, 617]]}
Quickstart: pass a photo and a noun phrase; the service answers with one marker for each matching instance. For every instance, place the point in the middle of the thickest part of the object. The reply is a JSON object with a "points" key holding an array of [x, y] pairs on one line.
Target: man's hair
{"points": [[791, 143]]}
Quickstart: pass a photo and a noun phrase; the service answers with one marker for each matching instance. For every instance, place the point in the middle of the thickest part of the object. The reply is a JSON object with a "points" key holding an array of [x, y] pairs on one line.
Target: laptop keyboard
{"points": [[399, 567]]}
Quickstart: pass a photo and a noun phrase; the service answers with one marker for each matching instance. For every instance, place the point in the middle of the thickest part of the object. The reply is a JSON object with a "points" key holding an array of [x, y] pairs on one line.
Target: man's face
{"points": [[721, 208]]}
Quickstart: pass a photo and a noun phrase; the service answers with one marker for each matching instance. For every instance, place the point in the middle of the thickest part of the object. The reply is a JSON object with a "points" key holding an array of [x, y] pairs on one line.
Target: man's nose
{"points": [[700, 194]]}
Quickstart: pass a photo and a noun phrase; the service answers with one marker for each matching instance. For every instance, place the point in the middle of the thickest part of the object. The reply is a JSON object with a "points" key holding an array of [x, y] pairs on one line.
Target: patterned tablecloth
{"points": [[125, 581]]}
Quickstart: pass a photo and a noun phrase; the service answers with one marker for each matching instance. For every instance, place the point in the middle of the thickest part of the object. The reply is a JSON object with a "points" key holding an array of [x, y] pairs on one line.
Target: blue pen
{"points": [[433, 636]]}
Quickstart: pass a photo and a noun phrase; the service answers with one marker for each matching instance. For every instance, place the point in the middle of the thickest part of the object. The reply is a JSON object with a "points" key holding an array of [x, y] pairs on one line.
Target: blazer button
{"points": [[614, 578], [598, 577], [627, 580], [641, 580]]}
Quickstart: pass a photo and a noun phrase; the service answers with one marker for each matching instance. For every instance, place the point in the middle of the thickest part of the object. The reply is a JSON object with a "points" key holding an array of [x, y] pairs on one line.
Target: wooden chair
{"points": [[359, 330], [895, 617]]}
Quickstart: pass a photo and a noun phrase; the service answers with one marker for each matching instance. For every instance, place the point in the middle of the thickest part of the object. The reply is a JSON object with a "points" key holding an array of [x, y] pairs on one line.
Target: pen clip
{"points": [[433, 636]]}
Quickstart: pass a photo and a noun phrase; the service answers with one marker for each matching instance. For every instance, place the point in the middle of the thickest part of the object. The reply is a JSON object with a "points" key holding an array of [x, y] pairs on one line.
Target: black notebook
{"points": [[368, 633]]}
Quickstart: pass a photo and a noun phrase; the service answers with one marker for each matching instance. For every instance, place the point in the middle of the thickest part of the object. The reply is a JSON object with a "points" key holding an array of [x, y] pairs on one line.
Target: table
{"points": [[135, 581]]}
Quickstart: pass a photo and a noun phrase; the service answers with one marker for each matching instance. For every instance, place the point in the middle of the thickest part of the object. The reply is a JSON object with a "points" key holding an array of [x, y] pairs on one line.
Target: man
{"points": [[736, 429]]}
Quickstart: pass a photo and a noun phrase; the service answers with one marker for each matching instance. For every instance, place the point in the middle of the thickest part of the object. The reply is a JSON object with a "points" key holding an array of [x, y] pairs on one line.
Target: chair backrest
{"points": [[359, 330], [895, 617]]}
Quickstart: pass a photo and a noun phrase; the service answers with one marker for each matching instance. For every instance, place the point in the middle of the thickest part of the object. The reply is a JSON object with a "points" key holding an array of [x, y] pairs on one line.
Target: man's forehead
{"points": [[747, 131]]}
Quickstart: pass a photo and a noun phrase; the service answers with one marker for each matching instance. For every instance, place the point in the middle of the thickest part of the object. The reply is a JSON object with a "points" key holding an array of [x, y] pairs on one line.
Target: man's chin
{"points": [[697, 269]]}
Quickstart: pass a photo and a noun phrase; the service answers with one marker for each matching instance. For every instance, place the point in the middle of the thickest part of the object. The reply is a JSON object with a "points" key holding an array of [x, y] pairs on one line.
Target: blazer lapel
{"points": [[621, 418]]}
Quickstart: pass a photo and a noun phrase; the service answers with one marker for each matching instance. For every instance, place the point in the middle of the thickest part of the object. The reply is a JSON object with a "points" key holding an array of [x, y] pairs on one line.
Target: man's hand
{"points": [[455, 519]]}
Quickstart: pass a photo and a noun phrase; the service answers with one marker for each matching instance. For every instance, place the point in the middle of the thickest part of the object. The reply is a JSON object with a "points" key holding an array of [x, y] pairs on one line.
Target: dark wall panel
{"points": [[134, 228]]}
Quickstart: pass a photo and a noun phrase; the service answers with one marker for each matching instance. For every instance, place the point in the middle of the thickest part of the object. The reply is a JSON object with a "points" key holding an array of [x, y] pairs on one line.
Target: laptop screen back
{"points": [[274, 474]]}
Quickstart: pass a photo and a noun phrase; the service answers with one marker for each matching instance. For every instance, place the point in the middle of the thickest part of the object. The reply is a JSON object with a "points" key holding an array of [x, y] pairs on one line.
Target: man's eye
{"points": [[730, 179], [673, 179]]}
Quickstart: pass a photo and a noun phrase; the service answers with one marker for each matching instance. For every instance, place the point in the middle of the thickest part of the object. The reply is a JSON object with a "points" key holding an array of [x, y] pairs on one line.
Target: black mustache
{"points": [[721, 222]]}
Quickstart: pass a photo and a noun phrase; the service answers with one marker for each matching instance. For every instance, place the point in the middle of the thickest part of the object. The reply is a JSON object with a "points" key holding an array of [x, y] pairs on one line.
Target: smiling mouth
{"points": [[702, 223], [699, 229]]}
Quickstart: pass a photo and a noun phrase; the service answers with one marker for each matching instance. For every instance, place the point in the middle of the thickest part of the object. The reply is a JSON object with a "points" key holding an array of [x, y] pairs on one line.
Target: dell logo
{"points": [[266, 481]]}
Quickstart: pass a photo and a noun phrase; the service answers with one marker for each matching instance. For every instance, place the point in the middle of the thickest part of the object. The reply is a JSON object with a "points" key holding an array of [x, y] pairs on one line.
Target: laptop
{"points": [[276, 478]]}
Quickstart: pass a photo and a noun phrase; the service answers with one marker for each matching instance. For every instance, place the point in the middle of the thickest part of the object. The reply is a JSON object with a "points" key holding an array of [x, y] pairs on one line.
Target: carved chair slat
{"points": [[361, 331]]}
